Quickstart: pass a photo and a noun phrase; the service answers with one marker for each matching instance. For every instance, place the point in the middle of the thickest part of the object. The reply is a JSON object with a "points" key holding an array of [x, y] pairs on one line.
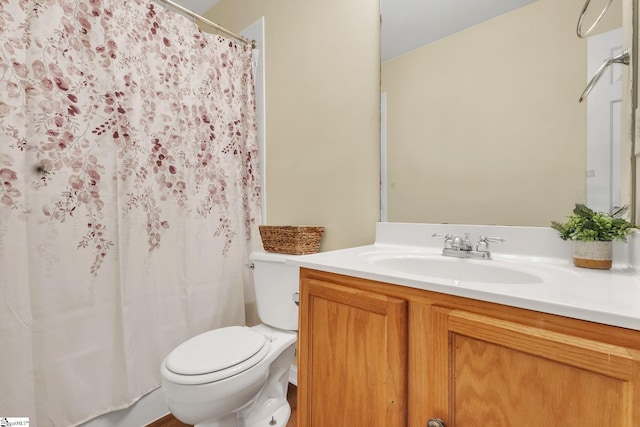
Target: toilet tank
{"points": [[276, 285]]}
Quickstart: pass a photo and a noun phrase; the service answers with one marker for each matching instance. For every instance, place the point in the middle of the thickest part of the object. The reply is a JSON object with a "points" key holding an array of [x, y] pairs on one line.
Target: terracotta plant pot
{"points": [[596, 255]]}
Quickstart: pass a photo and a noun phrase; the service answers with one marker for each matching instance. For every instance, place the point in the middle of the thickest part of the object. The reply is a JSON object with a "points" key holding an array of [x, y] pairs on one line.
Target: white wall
{"points": [[322, 112]]}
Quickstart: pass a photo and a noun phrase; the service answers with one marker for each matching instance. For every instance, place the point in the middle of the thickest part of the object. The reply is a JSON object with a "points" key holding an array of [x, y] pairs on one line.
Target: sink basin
{"points": [[468, 270]]}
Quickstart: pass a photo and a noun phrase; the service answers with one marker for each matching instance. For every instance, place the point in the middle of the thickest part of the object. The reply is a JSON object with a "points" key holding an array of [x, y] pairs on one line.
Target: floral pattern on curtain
{"points": [[129, 198]]}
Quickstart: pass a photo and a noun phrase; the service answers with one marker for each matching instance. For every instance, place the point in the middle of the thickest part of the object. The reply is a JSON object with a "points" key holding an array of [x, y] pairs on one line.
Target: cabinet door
{"points": [[490, 372], [352, 360]]}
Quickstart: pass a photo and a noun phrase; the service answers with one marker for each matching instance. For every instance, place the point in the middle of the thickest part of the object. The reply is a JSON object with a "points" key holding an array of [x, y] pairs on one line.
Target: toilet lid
{"points": [[215, 351]]}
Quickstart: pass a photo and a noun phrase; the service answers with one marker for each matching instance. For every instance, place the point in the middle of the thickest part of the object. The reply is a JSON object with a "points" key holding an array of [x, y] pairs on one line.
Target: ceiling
{"points": [[409, 24]]}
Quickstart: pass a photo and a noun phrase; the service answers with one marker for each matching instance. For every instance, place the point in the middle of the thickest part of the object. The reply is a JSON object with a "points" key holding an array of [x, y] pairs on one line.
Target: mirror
{"points": [[483, 126]]}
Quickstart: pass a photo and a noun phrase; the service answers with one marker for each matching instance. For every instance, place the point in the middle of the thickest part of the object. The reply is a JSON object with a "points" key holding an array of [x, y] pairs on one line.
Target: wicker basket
{"points": [[291, 240]]}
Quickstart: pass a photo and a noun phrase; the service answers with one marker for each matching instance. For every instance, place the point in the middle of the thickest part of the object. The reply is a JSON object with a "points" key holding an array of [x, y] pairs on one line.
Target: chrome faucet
{"points": [[460, 244], [461, 247]]}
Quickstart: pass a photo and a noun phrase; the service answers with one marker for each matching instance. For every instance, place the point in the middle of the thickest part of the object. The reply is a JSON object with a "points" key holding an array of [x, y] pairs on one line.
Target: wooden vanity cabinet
{"points": [[374, 354], [491, 372], [355, 350]]}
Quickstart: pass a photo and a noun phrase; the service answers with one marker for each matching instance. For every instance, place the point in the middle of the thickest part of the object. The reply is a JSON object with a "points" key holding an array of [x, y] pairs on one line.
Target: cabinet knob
{"points": [[435, 422]]}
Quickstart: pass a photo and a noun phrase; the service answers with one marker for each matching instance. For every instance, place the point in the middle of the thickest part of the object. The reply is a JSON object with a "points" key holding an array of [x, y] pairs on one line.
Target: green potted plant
{"points": [[592, 233]]}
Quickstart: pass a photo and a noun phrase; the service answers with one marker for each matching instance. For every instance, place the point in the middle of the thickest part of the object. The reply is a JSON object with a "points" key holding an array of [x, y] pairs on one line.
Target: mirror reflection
{"points": [[482, 125]]}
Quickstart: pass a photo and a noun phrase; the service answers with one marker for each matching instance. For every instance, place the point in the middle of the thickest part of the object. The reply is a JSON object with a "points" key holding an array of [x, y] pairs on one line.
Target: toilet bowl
{"points": [[237, 376]]}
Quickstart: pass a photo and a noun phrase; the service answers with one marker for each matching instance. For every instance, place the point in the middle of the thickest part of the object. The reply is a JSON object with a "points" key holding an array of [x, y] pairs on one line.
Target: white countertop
{"points": [[610, 297]]}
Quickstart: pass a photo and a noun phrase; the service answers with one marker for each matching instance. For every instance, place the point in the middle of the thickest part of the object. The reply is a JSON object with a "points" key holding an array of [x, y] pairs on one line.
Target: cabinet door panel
{"points": [[500, 373], [503, 387], [353, 347]]}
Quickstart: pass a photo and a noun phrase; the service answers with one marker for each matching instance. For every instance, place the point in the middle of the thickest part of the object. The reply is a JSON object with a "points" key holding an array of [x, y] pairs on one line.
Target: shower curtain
{"points": [[129, 199]]}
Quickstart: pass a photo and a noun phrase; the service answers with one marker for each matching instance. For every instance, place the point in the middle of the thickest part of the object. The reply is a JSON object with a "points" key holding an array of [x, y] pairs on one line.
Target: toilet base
{"points": [[279, 418], [270, 407], [230, 421]]}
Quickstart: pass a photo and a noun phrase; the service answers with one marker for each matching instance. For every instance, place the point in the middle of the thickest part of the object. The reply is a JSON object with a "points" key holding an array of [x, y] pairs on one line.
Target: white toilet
{"points": [[238, 376]]}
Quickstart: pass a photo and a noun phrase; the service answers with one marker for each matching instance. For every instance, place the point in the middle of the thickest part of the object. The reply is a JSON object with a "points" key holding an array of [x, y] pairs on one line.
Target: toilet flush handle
{"points": [[296, 298]]}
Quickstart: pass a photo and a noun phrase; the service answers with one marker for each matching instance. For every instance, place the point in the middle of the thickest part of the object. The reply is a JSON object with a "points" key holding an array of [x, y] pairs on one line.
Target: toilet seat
{"points": [[216, 355]]}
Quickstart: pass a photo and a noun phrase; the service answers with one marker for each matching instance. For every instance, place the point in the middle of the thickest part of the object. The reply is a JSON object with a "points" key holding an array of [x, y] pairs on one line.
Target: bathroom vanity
{"points": [[547, 345]]}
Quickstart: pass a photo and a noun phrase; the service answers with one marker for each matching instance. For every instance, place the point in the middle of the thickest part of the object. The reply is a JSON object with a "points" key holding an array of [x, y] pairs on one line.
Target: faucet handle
{"points": [[492, 239], [444, 235], [483, 243], [448, 238]]}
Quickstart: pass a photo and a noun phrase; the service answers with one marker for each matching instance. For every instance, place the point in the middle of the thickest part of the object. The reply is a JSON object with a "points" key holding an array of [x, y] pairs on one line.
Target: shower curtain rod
{"points": [[204, 20]]}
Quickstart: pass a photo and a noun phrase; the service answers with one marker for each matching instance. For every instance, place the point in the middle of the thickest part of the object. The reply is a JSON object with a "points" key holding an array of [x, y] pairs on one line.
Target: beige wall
{"points": [[322, 112], [484, 126]]}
